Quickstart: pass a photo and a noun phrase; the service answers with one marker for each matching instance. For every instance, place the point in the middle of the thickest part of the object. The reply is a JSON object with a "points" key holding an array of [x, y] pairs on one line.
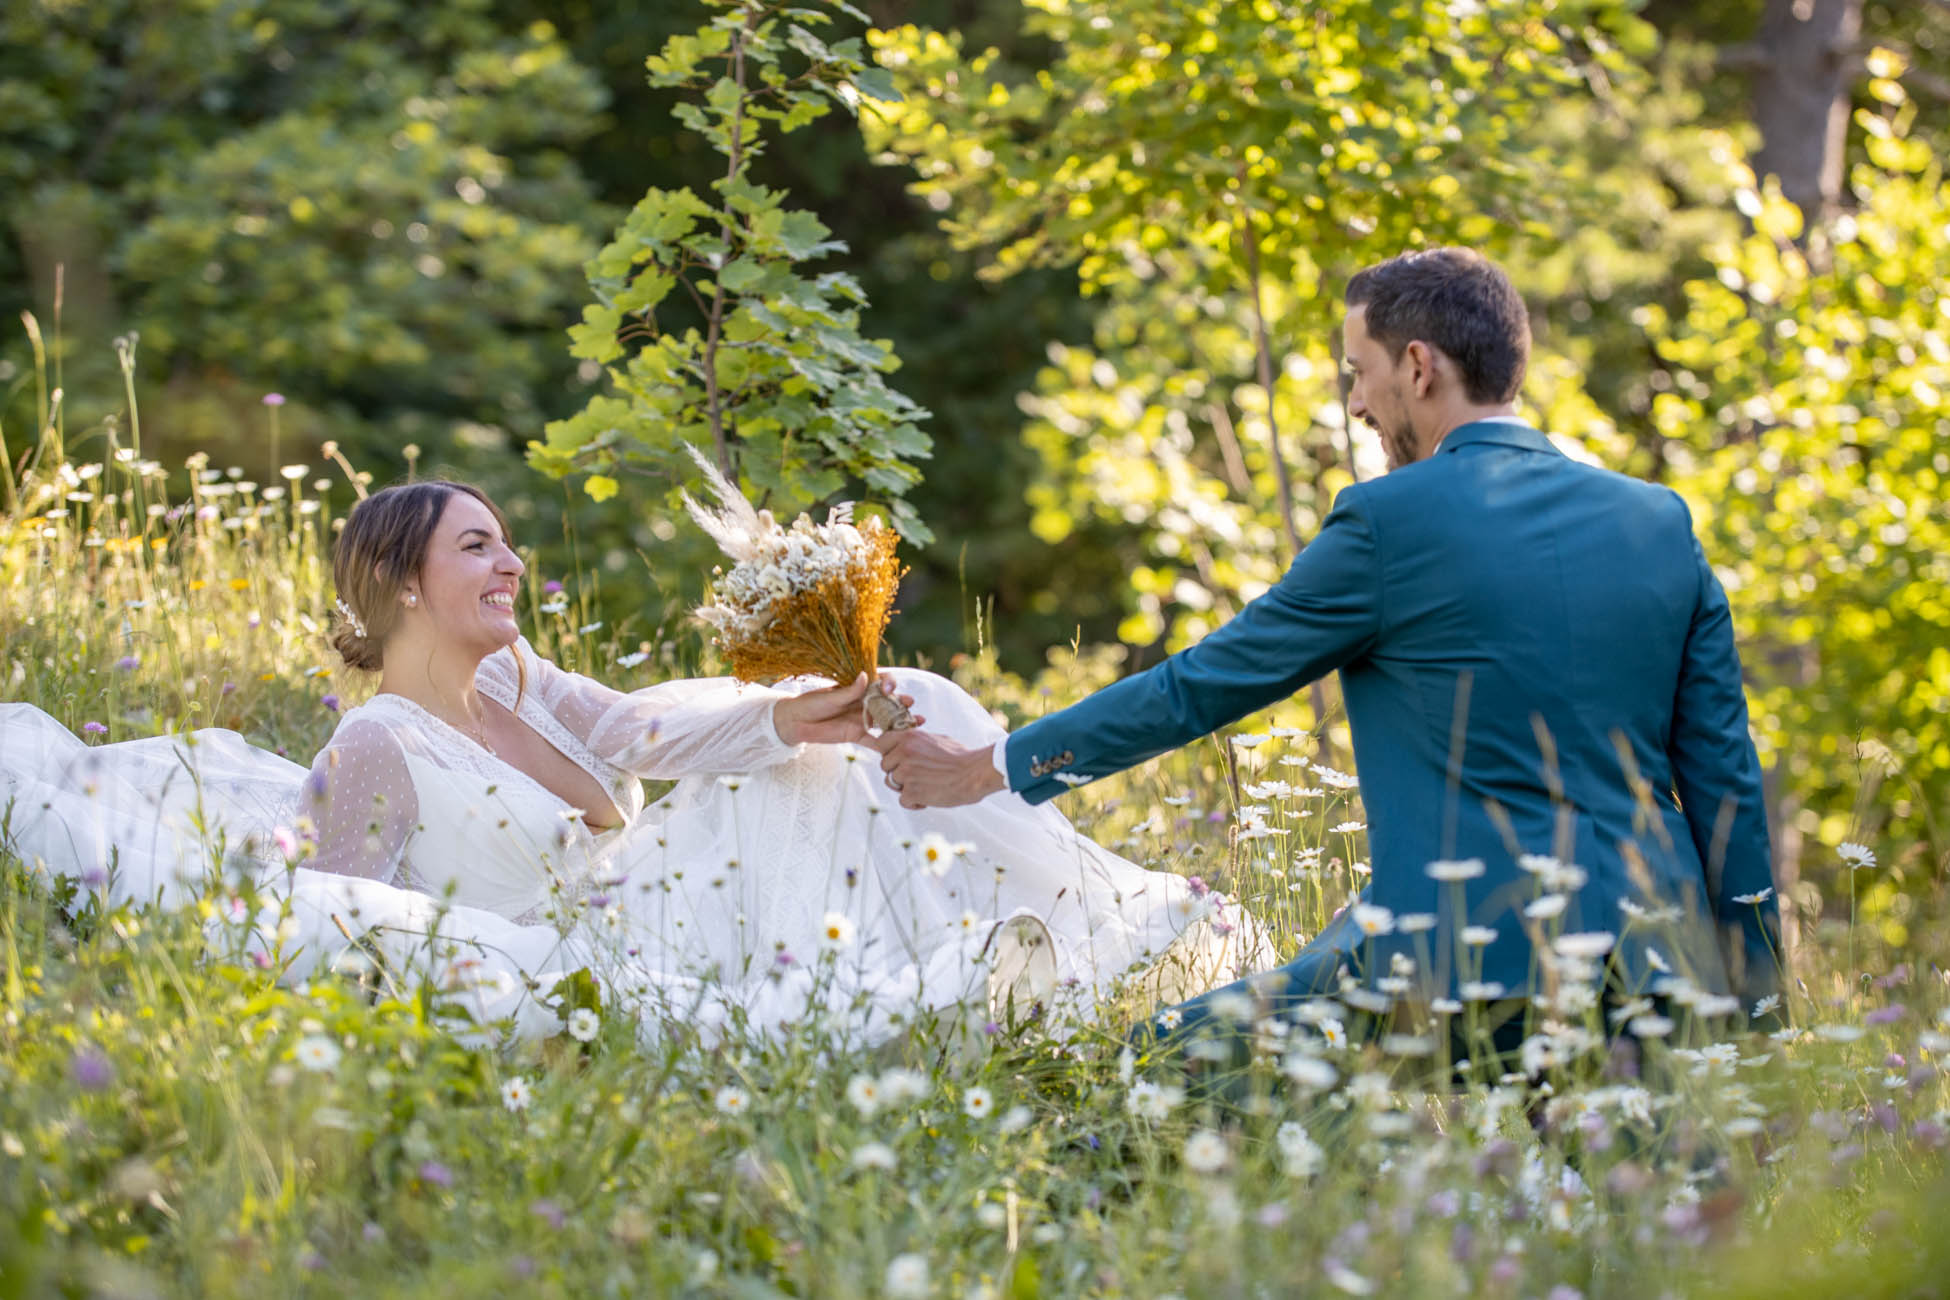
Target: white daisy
{"points": [[1373, 920], [318, 1053], [1447, 870], [1587, 946], [1309, 1072], [1478, 936], [733, 1101], [907, 1277], [584, 1024], [874, 1155], [1151, 1101], [864, 1092], [836, 932], [978, 1103], [1858, 856], [1300, 1155], [1755, 899], [516, 1094], [1546, 906], [1206, 1152], [935, 854], [898, 1086]]}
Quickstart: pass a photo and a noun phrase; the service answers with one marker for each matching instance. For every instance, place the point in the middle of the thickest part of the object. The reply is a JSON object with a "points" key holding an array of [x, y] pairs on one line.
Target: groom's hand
{"points": [[928, 771]]}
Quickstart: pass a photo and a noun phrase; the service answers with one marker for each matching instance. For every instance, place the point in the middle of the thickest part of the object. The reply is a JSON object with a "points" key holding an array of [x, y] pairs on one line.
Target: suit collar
{"points": [[1503, 430]]}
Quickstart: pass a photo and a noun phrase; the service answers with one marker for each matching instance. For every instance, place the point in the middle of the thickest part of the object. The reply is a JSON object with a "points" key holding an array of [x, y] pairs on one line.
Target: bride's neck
{"points": [[441, 683]]}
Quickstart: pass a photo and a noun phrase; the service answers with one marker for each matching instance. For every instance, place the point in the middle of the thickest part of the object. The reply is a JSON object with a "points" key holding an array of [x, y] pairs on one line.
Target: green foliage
{"points": [[1170, 124], [775, 378], [1214, 172], [1808, 408], [366, 204]]}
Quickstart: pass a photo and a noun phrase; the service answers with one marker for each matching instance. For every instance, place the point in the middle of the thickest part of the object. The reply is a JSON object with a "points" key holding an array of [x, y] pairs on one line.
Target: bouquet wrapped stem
{"points": [[811, 600]]}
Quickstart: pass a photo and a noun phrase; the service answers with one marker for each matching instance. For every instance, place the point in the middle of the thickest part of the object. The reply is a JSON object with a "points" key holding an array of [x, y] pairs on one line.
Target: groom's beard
{"points": [[1399, 441]]}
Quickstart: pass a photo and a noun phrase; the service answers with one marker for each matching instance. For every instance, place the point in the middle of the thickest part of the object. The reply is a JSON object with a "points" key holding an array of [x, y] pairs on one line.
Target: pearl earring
{"points": [[412, 599]]}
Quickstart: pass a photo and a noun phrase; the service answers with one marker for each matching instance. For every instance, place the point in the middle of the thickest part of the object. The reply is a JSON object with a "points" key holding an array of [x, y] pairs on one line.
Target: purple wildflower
{"points": [[93, 729], [128, 663], [1198, 886], [550, 1211], [551, 587], [1888, 1015], [273, 399], [331, 703], [435, 1174], [90, 1070]]}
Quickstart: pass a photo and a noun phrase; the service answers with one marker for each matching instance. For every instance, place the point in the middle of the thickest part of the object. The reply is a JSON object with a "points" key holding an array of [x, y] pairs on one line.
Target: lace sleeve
{"points": [[360, 797], [689, 727]]}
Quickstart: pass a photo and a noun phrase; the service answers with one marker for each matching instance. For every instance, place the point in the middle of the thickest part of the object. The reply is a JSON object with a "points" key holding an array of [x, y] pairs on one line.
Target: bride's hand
{"points": [[831, 715]]}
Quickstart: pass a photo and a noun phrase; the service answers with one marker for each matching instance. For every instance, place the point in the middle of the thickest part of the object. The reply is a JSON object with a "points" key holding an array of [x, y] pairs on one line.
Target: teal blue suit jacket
{"points": [[1536, 659]]}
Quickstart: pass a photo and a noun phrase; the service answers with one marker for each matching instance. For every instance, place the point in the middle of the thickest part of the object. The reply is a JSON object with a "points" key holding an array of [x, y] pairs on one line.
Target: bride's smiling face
{"points": [[468, 579]]}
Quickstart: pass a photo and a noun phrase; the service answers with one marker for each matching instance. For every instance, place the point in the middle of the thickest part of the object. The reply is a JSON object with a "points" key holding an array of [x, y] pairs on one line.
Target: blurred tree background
{"points": [[1104, 240]]}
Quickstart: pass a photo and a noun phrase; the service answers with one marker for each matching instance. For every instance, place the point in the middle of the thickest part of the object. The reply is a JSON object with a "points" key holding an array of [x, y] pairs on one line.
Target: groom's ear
{"points": [[1421, 360]]}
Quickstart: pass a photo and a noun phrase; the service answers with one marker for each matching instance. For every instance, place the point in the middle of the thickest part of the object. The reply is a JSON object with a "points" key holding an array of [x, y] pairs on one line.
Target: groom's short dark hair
{"points": [[1457, 300]]}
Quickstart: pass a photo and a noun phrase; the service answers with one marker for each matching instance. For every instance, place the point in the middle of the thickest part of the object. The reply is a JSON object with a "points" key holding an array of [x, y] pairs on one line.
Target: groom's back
{"points": [[1535, 617]]}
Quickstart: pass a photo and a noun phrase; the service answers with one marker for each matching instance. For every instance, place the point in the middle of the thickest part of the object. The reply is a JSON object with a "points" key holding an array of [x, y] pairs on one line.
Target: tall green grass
{"points": [[173, 1124]]}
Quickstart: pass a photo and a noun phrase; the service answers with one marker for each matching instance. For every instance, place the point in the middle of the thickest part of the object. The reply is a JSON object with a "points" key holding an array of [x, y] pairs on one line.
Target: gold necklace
{"points": [[479, 733], [476, 733]]}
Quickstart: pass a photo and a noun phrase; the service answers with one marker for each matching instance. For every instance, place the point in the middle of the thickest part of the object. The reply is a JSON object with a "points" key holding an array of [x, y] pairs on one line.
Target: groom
{"points": [[1540, 677]]}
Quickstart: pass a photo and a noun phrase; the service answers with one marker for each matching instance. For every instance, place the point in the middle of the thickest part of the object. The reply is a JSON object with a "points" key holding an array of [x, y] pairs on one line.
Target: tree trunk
{"points": [[1804, 60]]}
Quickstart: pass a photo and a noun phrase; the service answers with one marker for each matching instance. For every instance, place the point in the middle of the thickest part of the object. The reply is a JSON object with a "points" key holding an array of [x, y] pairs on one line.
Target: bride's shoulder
{"points": [[378, 721]]}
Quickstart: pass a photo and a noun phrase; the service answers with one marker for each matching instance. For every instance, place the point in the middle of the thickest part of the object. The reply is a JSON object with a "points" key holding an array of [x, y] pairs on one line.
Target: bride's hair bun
{"points": [[378, 552]]}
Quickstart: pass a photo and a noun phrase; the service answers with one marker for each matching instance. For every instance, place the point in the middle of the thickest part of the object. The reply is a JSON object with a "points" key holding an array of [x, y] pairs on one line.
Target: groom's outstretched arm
{"points": [[1324, 613], [1717, 775]]}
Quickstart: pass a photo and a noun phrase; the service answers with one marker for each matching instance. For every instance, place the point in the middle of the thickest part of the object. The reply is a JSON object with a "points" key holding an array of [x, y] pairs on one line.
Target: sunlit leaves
{"points": [[1809, 396], [777, 381]]}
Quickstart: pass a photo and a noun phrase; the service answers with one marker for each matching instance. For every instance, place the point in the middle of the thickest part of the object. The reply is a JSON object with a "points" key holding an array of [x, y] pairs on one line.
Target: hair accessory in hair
{"points": [[358, 624]]}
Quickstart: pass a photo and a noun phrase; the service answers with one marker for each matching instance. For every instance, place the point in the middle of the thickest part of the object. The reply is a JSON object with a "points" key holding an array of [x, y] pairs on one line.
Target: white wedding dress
{"points": [[773, 884]]}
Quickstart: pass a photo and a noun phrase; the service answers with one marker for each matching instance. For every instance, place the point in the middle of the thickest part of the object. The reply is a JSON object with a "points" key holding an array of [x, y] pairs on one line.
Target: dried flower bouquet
{"points": [[811, 600]]}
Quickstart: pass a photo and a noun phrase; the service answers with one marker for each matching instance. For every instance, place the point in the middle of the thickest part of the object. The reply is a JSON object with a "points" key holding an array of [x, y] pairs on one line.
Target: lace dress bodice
{"points": [[400, 795]]}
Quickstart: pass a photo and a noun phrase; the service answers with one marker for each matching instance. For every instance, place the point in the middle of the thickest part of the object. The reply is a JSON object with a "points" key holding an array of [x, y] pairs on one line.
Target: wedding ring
{"points": [[893, 784]]}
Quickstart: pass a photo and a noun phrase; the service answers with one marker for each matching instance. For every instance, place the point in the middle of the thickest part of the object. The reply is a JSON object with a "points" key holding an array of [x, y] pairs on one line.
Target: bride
{"points": [[481, 820]]}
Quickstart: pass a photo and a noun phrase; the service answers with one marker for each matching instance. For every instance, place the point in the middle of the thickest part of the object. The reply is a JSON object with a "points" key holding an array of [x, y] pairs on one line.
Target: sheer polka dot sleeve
{"points": [[360, 796], [690, 727]]}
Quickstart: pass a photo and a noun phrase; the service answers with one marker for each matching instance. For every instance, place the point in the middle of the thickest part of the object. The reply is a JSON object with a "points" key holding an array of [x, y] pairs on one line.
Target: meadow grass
{"points": [[175, 1124]]}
